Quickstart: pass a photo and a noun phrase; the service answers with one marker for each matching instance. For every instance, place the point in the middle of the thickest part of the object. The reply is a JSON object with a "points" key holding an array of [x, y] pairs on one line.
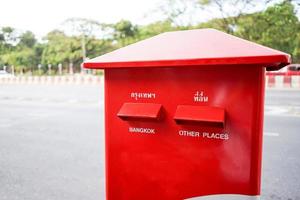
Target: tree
{"points": [[155, 28], [22, 59], [277, 27], [225, 13], [124, 32], [230, 11], [17, 49], [60, 49], [8, 38], [296, 52], [64, 49], [84, 28], [27, 39], [173, 10], [9, 35], [261, 21]]}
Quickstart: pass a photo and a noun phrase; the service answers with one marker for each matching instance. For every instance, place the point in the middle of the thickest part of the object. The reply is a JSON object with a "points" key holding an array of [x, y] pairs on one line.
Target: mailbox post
{"points": [[184, 116]]}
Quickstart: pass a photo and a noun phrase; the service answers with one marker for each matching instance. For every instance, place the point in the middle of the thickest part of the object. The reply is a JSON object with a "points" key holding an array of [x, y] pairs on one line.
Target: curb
{"points": [[52, 80], [282, 81], [272, 81]]}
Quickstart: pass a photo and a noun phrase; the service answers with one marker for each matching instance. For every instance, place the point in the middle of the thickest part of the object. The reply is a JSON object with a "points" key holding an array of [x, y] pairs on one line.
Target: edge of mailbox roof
{"points": [[198, 47]]}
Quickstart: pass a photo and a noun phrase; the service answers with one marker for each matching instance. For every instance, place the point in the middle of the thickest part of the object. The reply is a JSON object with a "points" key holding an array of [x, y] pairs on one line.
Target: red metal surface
{"points": [[200, 115], [191, 48], [165, 160], [130, 111], [178, 161]]}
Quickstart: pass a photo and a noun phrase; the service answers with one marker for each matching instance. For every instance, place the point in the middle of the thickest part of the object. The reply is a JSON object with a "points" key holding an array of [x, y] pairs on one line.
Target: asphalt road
{"points": [[51, 143]]}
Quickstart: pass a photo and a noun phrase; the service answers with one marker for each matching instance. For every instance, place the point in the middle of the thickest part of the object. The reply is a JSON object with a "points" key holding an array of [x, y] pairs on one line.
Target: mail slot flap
{"points": [[200, 115], [131, 111]]}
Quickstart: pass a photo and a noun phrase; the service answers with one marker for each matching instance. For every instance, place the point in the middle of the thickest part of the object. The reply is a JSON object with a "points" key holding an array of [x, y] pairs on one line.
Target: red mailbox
{"points": [[184, 116]]}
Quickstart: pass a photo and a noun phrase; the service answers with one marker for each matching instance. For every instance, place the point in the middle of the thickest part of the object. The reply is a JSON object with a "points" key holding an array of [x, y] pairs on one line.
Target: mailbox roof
{"points": [[191, 48]]}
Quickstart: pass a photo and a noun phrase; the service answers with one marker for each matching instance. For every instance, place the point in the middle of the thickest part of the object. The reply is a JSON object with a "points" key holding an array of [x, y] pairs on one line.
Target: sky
{"points": [[42, 16]]}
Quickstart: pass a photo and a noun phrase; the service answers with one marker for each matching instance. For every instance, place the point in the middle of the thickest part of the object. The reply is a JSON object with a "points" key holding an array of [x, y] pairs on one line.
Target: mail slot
{"points": [[143, 111], [184, 116], [200, 115]]}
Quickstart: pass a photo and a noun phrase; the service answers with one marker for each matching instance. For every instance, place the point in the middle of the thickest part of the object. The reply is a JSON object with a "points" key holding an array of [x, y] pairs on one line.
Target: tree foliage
{"points": [[63, 49], [276, 26], [124, 32], [27, 39], [17, 49]]}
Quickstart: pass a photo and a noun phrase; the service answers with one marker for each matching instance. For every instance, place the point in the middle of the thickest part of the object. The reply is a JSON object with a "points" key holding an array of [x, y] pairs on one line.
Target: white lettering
{"points": [[141, 130], [189, 133], [217, 136], [142, 95], [199, 97]]}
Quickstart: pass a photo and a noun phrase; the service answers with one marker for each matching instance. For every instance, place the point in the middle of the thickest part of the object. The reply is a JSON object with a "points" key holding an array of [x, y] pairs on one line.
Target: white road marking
{"points": [[271, 134], [282, 111], [275, 110]]}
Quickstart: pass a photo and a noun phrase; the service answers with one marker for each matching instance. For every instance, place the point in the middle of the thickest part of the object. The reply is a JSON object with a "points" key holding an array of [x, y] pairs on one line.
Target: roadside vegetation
{"points": [[275, 25]]}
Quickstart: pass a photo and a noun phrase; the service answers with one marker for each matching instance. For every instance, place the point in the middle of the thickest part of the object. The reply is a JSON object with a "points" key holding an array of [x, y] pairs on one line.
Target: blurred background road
{"points": [[51, 143]]}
